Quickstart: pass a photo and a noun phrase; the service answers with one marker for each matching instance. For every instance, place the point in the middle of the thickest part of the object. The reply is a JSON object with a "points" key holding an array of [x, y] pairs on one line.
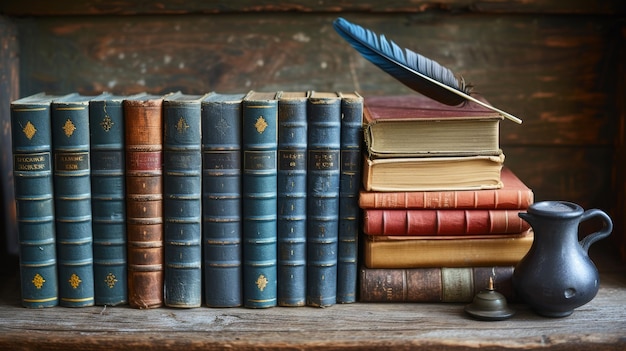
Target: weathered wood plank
{"points": [[619, 169], [532, 67], [9, 90], [598, 325], [127, 7]]}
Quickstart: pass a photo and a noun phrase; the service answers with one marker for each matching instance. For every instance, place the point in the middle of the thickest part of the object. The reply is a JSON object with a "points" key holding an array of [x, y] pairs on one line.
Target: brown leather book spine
{"points": [[144, 197], [432, 284]]}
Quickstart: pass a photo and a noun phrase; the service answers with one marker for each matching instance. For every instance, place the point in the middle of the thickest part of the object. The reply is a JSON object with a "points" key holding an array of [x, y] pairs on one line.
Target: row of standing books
{"points": [[182, 200], [439, 206]]}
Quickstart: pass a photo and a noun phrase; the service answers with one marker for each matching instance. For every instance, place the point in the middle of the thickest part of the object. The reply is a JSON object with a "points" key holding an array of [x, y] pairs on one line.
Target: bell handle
{"points": [[606, 230]]}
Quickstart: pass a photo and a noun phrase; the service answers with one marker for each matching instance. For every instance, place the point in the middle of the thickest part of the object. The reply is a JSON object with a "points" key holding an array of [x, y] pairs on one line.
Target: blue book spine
{"points": [[350, 180], [182, 201], [259, 146], [291, 193], [324, 138], [221, 186], [72, 184], [32, 172], [108, 201]]}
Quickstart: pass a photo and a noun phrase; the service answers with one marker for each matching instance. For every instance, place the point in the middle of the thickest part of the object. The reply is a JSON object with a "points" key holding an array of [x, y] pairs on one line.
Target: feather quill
{"points": [[413, 70]]}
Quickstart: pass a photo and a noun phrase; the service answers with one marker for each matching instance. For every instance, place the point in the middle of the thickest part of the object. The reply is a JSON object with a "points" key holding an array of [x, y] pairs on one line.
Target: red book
{"points": [[514, 194], [442, 222]]}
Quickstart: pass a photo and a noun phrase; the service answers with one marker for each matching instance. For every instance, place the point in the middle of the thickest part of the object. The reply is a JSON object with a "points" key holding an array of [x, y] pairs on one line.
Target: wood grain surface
{"points": [[599, 325]]}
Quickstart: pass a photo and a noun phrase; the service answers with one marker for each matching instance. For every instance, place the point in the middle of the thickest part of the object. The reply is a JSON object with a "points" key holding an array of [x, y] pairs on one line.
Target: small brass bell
{"points": [[489, 305]]}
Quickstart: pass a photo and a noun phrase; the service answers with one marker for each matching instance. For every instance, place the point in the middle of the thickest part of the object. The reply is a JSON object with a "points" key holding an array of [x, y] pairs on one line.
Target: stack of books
{"points": [[439, 207]]}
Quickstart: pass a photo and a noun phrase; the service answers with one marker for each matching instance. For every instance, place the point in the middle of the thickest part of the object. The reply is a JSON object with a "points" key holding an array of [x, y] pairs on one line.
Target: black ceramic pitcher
{"points": [[556, 275]]}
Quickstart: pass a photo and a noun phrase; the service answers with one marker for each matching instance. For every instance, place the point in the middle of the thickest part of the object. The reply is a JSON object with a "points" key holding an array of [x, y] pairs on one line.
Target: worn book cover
{"points": [[33, 181], [182, 201], [433, 173], [221, 199], [292, 197], [417, 126], [454, 251], [324, 143]]}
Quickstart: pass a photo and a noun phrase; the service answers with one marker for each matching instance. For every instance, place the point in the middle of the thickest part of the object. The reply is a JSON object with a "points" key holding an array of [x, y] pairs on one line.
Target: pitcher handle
{"points": [[603, 233]]}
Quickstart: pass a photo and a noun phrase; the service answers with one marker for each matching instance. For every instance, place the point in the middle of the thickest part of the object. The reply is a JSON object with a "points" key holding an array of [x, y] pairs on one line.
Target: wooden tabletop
{"points": [[599, 325]]}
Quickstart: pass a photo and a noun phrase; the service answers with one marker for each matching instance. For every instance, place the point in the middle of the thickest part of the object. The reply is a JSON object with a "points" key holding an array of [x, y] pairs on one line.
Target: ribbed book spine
{"points": [[436, 284], [72, 184], [143, 131], [292, 190], [349, 186], [324, 139], [182, 201], [32, 172], [259, 145], [221, 187], [108, 204]]}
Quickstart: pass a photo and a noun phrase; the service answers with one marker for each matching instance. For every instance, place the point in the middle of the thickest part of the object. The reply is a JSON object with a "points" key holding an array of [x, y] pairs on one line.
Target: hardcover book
{"points": [[182, 201], [420, 252], [72, 187], [436, 284], [416, 126], [324, 142], [292, 197], [514, 194], [349, 185], [429, 222], [33, 182], [143, 129], [433, 173], [259, 196], [221, 184], [108, 199]]}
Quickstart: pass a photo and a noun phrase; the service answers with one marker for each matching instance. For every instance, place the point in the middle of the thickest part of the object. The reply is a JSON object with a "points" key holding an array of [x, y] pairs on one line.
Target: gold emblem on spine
{"points": [[29, 130], [110, 280], [260, 124], [261, 282], [69, 128], [38, 281], [107, 123], [75, 281], [182, 125]]}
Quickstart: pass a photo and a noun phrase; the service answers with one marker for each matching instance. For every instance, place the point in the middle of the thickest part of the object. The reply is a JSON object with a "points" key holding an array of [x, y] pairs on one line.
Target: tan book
{"points": [[433, 173], [417, 252], [417, 126]]}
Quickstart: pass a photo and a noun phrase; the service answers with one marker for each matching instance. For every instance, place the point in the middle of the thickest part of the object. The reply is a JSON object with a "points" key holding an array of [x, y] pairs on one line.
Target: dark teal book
{"points": [[349, 185], [32, 173], [291, 193], [108, 199], [221, 206], [324, 139], [259, 178], [72, 187], [182, 201]]}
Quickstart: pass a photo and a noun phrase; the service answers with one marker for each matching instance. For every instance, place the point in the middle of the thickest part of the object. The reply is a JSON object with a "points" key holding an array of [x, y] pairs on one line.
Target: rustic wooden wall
{"points": [[558, 65]]}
